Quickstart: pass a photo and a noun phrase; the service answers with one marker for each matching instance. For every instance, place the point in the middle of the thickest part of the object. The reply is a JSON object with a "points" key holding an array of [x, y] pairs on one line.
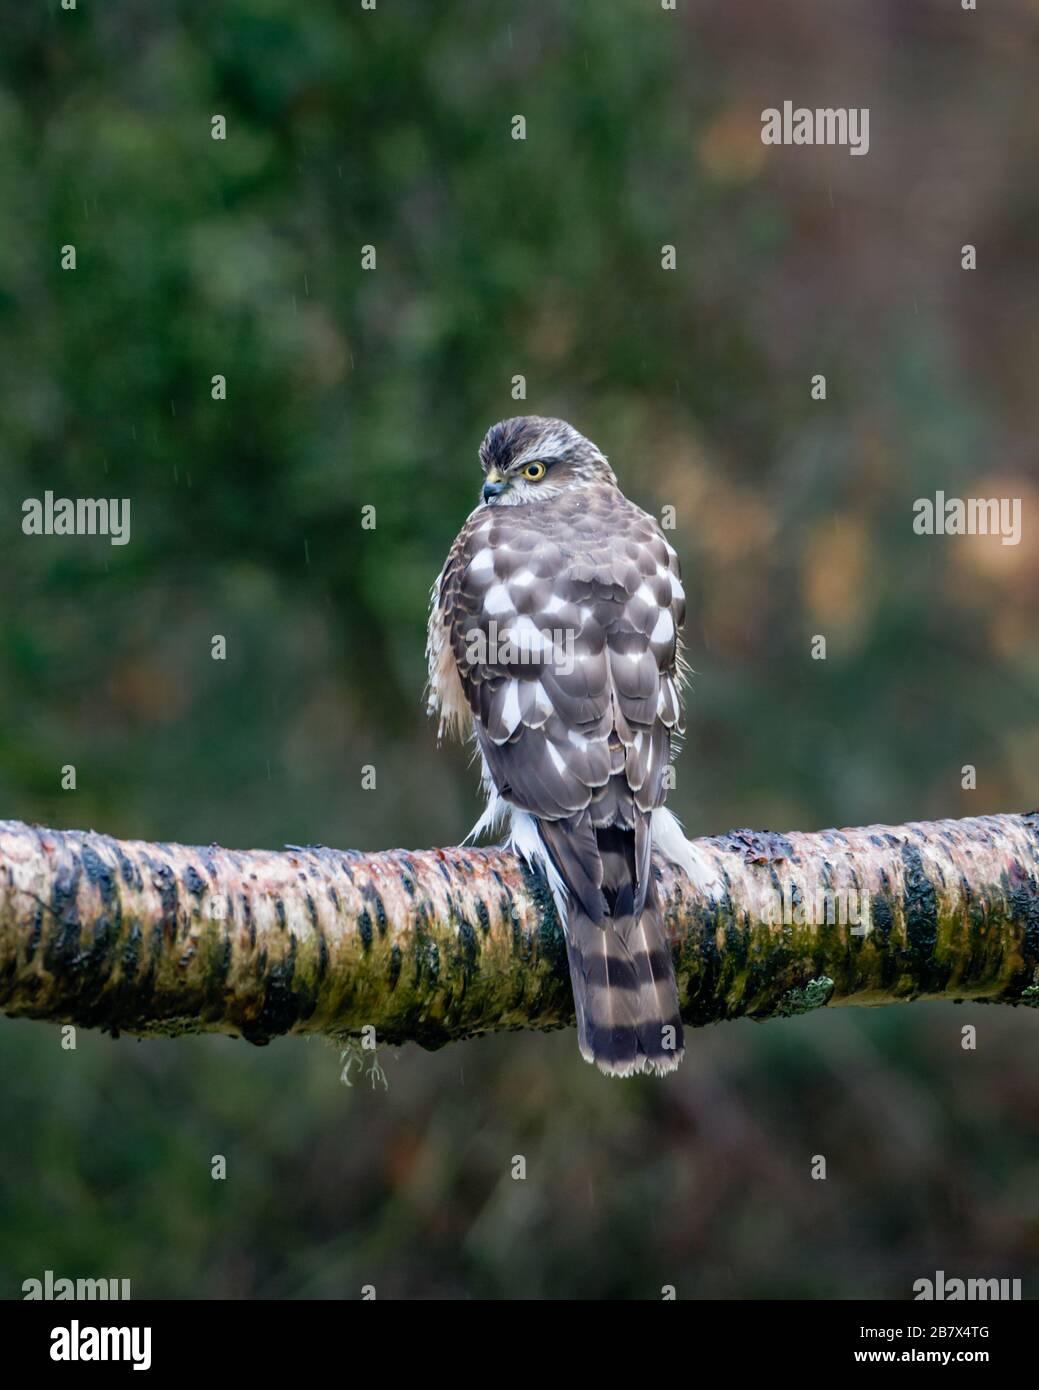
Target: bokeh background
{"points": [[348, 388]]}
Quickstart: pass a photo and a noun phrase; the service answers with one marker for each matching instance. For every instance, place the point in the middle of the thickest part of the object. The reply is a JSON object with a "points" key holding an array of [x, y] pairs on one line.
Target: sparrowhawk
{"points": [[554, 641]]}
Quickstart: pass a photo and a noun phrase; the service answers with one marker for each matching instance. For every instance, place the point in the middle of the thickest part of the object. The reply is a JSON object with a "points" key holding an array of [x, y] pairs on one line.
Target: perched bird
{"points": [[554, 642]]}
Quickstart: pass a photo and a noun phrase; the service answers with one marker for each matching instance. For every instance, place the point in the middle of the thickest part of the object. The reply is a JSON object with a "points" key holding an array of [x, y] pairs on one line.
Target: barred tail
{"points": [[625, 994], [623, 978]]}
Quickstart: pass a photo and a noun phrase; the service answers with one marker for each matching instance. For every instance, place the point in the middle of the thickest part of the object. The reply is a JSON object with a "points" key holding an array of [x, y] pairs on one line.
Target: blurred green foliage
{"points": [[348, 388]]}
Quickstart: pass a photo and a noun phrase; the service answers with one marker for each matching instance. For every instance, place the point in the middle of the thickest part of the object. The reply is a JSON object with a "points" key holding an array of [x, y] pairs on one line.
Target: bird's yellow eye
{"points": [[533, 472]]}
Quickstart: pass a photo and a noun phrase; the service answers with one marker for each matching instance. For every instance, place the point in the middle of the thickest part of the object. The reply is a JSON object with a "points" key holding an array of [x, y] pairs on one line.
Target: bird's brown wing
{"points": [[563, 624]]}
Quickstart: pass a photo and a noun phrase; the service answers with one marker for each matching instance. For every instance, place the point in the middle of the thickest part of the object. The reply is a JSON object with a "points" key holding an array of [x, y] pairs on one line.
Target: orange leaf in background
{"points": [[731, 148], [987, 557], [834, 578]]}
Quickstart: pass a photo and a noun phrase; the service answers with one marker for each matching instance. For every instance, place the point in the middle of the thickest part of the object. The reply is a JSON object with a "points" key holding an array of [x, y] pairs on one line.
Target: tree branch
{"points": [[434, 945]]}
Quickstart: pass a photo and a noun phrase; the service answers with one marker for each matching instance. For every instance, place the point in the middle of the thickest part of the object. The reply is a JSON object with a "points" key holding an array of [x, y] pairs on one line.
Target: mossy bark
{"points": [[435, 945]]}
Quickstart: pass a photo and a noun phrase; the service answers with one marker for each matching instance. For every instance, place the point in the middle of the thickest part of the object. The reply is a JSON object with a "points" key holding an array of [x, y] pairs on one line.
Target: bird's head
{"points": [[532, 459]]}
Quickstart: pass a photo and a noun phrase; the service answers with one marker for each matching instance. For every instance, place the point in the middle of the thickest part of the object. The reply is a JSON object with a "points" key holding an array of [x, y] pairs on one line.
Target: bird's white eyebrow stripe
{"points": [[546, 448]]}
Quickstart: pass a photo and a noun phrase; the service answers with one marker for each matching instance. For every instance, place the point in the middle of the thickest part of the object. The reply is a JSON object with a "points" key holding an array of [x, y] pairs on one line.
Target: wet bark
{"points": [[435, 945]]}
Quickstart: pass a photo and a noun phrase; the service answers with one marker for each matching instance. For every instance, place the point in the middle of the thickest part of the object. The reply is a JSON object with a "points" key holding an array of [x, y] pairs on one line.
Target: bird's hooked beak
{"points": [[494, 485]]}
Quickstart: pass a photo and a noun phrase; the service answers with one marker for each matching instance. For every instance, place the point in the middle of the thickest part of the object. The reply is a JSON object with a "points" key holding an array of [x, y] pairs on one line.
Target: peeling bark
{"points": [[435, 945]]}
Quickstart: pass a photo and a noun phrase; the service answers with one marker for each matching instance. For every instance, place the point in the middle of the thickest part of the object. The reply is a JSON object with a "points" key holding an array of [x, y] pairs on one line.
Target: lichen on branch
{"points": [[435, 945]]}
